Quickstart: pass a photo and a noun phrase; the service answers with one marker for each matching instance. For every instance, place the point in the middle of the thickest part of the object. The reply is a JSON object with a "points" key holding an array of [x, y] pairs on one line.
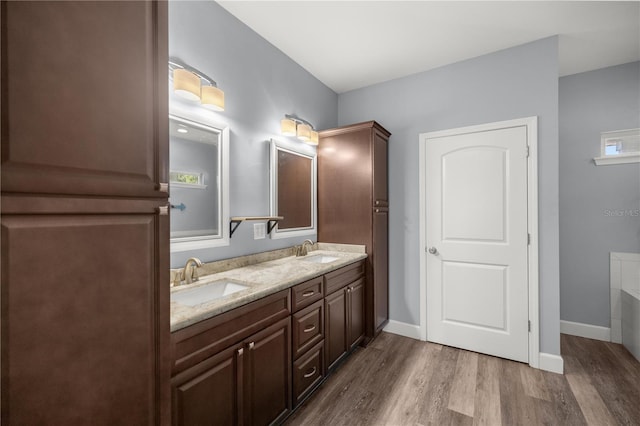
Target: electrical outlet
{"points": [[259, 231]]}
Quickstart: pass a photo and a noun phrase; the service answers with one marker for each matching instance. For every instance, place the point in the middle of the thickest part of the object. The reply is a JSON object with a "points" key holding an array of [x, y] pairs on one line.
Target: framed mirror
{"points": [[293, 189], [198, 184]]}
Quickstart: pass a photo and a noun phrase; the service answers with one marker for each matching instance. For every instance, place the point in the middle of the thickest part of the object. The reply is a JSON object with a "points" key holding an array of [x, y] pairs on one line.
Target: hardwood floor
{"points": [[401, 381]]}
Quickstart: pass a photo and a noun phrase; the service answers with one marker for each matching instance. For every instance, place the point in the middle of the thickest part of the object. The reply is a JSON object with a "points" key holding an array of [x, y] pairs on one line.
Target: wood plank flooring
{"points": [[401, 381]]}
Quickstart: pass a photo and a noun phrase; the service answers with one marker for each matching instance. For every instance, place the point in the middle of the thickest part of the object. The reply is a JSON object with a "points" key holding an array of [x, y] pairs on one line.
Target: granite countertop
{"points": [[263, 279]]}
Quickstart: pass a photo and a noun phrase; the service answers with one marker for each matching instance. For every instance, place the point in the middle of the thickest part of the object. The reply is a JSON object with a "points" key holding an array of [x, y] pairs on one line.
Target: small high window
{"points": [[619, 147]]}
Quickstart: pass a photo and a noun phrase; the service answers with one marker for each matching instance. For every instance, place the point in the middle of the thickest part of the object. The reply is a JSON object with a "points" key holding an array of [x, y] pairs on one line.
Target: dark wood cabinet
{"points": [[268, 375], [308, 372], [353, 205], [307, 328], [307, 337], [344, 313], [210, 393], [85, 250], [235, 368], [335, 306]]}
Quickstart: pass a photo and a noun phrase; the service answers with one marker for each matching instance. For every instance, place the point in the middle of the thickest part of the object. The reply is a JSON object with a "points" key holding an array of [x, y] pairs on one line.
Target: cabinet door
{"points": [[356, 313], [84, 97], [335, 327], [380, 193], [82, 336], [380, 260], [209, 393], [268, 374]]}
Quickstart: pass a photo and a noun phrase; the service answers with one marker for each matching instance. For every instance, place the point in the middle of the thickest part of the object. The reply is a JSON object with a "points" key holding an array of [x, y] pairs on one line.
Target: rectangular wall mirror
{"points": [[198, 184], [293, 189]]}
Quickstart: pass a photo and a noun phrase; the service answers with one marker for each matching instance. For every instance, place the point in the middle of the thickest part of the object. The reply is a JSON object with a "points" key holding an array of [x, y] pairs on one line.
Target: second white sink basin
{"points": [[207, 293], [319, 258]]}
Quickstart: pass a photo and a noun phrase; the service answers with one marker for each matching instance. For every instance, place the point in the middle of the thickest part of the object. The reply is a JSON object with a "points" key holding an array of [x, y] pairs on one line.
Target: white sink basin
{"points": [[319, 258], [206, 293]]}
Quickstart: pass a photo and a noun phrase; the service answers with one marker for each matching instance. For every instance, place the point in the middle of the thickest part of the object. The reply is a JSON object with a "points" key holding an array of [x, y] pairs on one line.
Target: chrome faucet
{"points": [[301, 250], [190, 273]]}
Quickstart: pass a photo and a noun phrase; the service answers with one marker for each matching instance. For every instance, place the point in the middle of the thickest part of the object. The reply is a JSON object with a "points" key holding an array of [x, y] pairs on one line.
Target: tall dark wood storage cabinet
{"points": [[85, 257], [353, 205]]}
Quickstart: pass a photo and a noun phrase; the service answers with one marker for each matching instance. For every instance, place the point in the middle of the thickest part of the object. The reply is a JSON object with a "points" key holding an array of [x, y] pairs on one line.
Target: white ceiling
{"points": [[353, 44]]}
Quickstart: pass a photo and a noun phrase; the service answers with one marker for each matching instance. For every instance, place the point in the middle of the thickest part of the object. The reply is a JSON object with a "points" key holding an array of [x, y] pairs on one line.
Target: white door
{"points": [[476, 235]]}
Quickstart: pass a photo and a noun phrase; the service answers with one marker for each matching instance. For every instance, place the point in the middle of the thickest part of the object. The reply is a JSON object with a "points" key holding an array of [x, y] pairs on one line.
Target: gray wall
{"points": [[261, 84], [513, 83], [590, 103]]}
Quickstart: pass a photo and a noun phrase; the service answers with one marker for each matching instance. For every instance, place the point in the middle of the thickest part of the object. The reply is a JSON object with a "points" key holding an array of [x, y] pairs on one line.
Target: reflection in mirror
{"points": [[197, 159], [293, 189]]}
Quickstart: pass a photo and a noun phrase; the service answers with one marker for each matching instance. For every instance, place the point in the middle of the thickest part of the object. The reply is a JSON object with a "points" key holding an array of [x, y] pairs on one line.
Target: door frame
{"points": [[531, 124]]}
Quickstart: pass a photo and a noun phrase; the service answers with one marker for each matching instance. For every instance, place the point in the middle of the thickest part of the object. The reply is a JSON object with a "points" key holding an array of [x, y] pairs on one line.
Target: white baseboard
{"points": [[403, 329], [551, 362], [585, 330]]}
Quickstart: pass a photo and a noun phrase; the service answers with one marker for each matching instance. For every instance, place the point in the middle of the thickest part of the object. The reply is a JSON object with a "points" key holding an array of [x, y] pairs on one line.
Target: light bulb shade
{"points": [[213, 98], [313, 140], [186, 84], [288, 127], [304, 132]]}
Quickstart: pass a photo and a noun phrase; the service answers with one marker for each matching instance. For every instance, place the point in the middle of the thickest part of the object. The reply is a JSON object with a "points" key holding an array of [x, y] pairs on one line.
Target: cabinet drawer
{"points": [[343, 276], [197, 342], [307, 373], [306, 293], [308, 328]]}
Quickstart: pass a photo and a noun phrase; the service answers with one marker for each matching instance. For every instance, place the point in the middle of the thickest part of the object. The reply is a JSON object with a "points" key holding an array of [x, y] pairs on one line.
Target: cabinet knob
{"points": [[240, 352], [163, 210], [162, 187], [377, 210], [251, 345], [433, 250], [310, 373], [377, 203]]}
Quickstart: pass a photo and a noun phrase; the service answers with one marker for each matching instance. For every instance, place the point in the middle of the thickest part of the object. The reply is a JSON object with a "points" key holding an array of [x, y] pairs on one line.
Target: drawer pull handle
{"points": [[308, 293], [310, 373], [309, 329]]}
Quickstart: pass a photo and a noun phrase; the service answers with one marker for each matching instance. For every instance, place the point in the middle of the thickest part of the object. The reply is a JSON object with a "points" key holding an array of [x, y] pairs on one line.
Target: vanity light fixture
{"points": [[294, 126], [194, 85]]}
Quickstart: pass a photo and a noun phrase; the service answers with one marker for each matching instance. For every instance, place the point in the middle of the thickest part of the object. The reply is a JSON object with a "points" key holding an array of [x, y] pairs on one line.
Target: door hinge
{"points": [[529, 326], [527, 150], [528, 239]]}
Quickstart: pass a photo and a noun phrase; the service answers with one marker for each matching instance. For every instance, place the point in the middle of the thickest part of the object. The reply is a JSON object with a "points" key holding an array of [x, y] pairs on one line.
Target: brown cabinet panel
{"points": [[349, 192], [335, 329], [344, 197], [356, 313], [207, 393], [308, 328], [306, 293], [84, 97], [343, 276], [380, 196], [308, 373], [82, 336], [195, 343], [380, 260], [267, 378]]}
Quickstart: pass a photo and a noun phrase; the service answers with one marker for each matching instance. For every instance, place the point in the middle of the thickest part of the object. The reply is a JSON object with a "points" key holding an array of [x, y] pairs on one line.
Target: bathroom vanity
{"points": [[252, 356]]}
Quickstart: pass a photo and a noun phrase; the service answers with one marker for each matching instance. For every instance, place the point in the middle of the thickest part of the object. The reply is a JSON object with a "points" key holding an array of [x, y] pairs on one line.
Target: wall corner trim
{"points": [[585, 330], [403, 329], [551, 362]]}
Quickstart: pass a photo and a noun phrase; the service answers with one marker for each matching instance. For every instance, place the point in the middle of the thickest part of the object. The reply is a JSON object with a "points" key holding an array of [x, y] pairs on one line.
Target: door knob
{"points": [[433, 250]]}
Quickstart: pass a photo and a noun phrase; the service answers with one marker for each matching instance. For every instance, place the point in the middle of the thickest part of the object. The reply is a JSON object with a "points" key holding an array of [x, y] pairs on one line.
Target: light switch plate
{"points": [[259, 231]]}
